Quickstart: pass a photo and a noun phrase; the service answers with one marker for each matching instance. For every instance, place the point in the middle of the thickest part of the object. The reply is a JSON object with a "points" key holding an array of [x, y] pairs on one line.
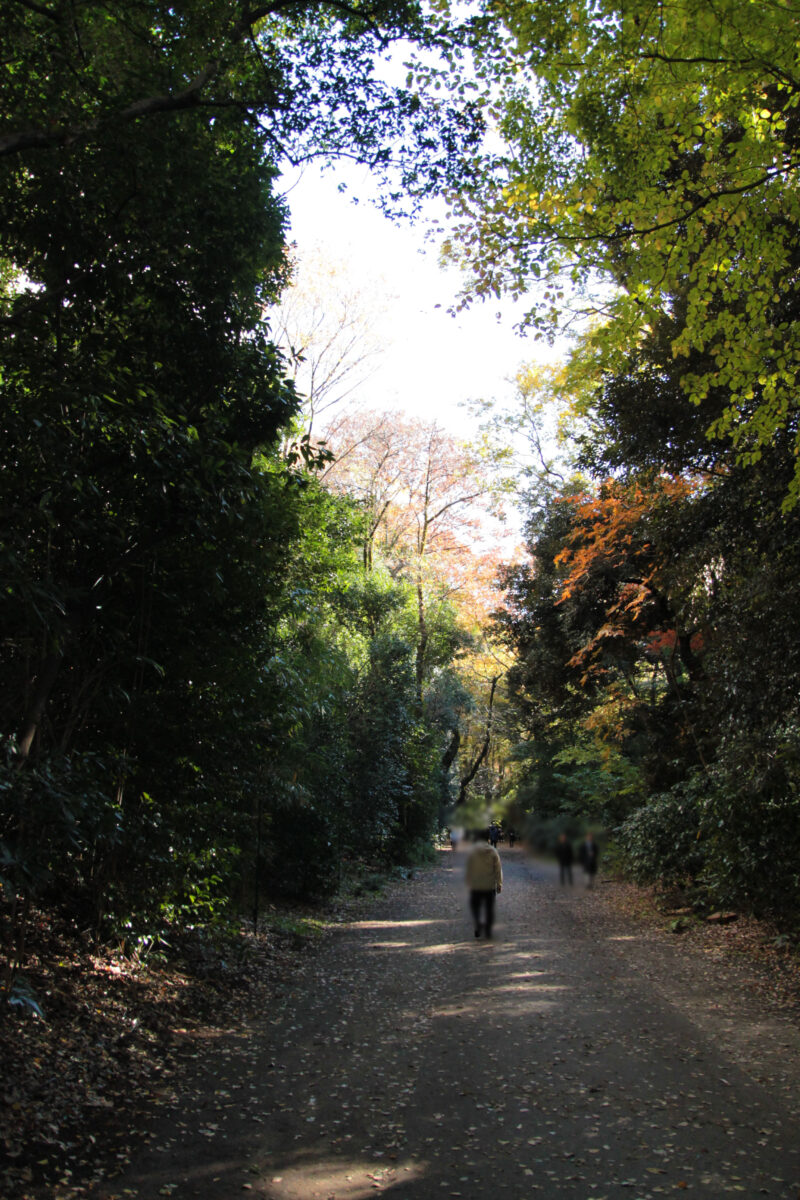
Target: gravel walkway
{"points": [[572, 1056]]}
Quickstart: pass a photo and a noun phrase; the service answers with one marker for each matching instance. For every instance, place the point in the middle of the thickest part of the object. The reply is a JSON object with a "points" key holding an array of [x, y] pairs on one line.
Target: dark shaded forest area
{"points": [[206, 696]]}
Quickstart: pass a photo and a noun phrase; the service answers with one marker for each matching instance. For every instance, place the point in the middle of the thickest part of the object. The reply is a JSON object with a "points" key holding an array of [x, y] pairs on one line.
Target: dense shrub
{"points": [[660, 841]]}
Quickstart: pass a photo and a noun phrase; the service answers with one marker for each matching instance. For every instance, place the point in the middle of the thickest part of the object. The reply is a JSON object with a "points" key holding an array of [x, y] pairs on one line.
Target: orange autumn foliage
{"points": [[608, 535], [606, 528]]}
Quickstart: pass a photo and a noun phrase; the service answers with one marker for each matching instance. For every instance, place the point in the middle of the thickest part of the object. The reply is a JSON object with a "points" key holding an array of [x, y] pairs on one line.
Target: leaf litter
{"points": [[119, 1038]]}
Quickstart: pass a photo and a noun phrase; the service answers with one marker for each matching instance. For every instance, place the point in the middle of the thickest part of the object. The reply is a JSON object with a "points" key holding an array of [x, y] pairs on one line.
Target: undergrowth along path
{"points": [[572, 1056]]}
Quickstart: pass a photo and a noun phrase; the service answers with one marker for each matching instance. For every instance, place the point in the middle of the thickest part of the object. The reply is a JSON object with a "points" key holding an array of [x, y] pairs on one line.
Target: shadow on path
{"points": [[408, 1058]]}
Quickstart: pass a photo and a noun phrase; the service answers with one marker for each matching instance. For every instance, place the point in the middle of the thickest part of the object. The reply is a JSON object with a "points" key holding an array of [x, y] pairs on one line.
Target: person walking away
{"points": [[494, 834], [588, 856], [453, 839], [565, 858], [485, 881]]}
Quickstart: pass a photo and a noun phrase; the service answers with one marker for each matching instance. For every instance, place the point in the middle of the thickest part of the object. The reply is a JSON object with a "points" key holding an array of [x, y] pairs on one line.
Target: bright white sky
{"points": [[432, 361]]}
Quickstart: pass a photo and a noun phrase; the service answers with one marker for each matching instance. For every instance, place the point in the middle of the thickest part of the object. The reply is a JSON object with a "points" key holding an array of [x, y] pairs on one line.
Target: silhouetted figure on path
{"points": [[485, 881], [588, 856], [565, 857]]}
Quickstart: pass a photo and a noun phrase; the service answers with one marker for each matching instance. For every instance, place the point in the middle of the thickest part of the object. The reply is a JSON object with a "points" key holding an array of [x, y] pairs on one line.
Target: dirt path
{"points": [[568, 1057]]}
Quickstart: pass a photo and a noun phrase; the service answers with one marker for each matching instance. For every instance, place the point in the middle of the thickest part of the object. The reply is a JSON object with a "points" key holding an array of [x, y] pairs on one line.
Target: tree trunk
{"points": [[448, 758], [467, 779], [422, 644], [43, 686]]}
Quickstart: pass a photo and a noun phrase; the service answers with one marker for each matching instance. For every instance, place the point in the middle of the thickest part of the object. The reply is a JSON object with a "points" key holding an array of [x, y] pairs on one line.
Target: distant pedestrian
{"points": [[485, 881], [494, 835], [453, 839], [512, 837], [588, 856], [565, 857]]}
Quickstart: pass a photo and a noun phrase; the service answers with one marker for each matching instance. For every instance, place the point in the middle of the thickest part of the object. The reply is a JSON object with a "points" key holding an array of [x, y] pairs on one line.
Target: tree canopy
{"points": [[301, 75], [205, 690], [648, 171]]}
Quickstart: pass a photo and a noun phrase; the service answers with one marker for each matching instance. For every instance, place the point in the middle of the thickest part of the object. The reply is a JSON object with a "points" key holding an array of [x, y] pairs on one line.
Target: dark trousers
{"points": [[565, 872], [485, 901]]}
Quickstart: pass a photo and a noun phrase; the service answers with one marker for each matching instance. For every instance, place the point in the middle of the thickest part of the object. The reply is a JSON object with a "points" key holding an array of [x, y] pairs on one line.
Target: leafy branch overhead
{"points": [[301, 74], [649, 168]]}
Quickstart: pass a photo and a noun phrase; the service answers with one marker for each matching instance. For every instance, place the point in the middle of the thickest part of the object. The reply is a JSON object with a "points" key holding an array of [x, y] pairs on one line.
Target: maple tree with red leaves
{"points": [[612, 545]]}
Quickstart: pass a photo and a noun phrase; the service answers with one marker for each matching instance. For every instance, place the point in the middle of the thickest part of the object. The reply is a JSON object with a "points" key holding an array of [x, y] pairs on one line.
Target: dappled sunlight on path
{"points": [[407, 1057], [387, 924], [353, 1179]]}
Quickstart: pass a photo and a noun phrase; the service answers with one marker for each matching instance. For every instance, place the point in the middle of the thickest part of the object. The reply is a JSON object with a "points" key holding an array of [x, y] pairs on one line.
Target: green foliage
{"points": [[605, 783], [301, 929], [749, 825], [661, 840], [651, 635], [652, 150], [302, 79], [732, 833], [204, 697], [302, 859], [371, 884], [61, 807]]}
